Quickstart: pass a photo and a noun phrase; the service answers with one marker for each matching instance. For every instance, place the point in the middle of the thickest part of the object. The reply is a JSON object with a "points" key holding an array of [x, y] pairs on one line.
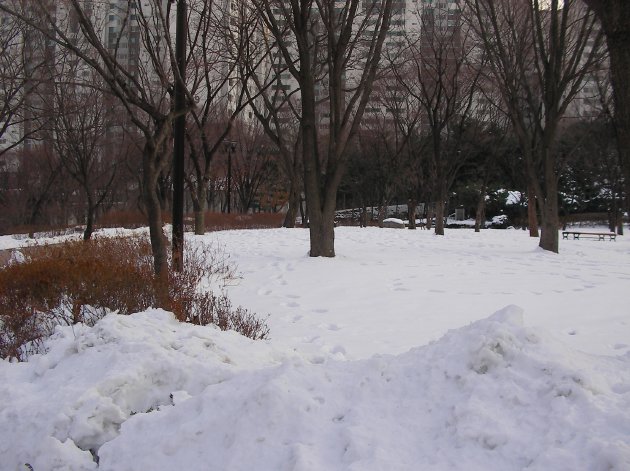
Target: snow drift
{"points": [[146, 392]]}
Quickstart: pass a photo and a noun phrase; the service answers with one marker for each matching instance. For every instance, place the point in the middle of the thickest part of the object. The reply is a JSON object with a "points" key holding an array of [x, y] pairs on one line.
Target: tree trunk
{"points": [[382, 213], [294, 206], [481, 210], [200, 221], [321, 219], [440, 207], [320, 224], [151, 173], [612, 219], [89, 223], [616, 23], [549, 230], [532, 219], [199, 209], [439, 217], [549, 209], [322, 234], [35, 213], [303, 213], [291, 215], [321, 241], [163, 192], [411, 212]]}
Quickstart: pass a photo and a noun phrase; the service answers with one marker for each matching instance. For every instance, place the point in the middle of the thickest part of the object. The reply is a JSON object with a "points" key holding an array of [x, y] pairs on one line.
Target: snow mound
{"points": [[70, 401], [144, 392]]}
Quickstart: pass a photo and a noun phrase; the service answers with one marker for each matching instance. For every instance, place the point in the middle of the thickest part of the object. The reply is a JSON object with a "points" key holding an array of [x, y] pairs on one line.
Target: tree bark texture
{"points": [[198, 196], [440, 207], [154, 159], [481, 209], [532, 217], [294, 205], [619, 48], [89, 223], [550, 217], [320, 213], [200, 221], [614, 16], [411, 212]]}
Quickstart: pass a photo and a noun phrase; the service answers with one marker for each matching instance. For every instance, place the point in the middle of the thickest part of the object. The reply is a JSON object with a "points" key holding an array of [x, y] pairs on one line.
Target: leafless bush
{"points": [[208, 308]]}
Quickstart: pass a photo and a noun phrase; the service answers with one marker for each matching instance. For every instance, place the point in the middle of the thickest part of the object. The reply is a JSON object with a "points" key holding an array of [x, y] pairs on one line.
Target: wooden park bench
{"points": [[599, 235]]}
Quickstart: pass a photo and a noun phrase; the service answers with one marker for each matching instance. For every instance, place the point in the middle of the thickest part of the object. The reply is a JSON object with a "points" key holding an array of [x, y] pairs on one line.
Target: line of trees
{"points": [[308, 90]]}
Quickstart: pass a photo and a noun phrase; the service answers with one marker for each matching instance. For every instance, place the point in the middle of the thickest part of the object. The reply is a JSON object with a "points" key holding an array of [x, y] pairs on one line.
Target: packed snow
{"points": [[407, 351]]}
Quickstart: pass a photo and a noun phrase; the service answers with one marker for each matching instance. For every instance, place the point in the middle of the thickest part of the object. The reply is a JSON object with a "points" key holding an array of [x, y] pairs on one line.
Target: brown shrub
{"points": [[208, 308], [81, 281], [215, 221], [132, 219], [223, 221]]}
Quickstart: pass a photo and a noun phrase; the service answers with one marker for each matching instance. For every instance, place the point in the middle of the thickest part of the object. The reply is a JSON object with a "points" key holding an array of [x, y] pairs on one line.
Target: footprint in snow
{"points": [[331, 327]]}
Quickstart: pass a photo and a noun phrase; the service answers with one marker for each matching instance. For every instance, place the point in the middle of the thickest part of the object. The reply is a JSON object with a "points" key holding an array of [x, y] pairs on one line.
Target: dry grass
{"points": [[223, 221]]}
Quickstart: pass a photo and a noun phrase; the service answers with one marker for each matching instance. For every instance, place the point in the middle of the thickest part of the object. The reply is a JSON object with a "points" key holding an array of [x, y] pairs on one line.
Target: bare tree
{"points": [[278, 112], [223, 53], [401, 116], [361, 182], [80, 128], [485, 140], [253, 165], [440, 72], [23, 69], [539, 55], [380, 146], [38, 185], [277, 107], [614, 16], [142, 78], [344, 43], [415, 176], [202, 143]]}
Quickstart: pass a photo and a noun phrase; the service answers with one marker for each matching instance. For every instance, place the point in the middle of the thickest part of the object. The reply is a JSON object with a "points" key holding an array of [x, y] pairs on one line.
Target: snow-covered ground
{"points": [[407, 351]]}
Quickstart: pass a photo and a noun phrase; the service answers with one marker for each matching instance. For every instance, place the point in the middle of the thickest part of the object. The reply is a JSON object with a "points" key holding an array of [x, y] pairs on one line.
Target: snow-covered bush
{"points": [[499, 222], [80, 282]]}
